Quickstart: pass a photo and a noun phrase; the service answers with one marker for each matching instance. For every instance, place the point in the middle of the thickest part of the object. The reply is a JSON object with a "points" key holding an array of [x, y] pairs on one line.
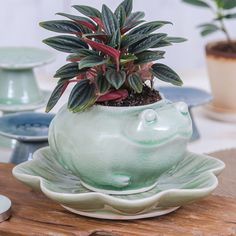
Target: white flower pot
{"points": [[222, 75]]}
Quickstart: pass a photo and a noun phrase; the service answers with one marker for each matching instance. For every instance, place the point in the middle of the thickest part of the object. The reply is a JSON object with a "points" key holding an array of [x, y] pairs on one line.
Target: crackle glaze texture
{"points": [[121, 150]]}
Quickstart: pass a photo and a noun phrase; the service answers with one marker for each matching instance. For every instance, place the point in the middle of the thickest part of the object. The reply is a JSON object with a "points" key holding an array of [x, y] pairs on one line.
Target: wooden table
{"points": [[33, 214]]}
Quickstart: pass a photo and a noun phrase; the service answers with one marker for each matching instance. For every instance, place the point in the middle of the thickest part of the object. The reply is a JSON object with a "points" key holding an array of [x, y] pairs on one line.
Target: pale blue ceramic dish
{"points": [[29, 129]]}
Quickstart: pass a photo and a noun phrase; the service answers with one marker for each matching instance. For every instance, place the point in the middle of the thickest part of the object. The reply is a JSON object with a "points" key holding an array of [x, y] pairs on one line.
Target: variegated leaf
{"points": [[62, 26], [135, 82], [146, 43], [116, 78], [109, 20], [56, 95], [82, 96], [65, 43], [91, 61], [166, 74]]}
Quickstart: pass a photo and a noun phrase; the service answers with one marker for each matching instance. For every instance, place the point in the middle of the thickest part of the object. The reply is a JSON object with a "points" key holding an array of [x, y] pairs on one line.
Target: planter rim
{"points": [[210, 51], [119, 109]]}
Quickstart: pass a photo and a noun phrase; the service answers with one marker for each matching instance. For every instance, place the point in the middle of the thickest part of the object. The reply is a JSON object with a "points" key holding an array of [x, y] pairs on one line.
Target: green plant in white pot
{"points": [[221, 55], [117, 149]]}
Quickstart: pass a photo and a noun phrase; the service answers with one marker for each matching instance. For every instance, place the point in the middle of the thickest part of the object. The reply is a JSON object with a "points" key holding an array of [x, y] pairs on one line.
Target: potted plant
{"points": [[117, 149], [221, 55], [115, 123]]}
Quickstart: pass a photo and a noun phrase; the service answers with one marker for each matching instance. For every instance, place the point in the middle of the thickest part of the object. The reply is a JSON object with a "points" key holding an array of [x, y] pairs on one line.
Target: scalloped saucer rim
{"points": [[119, 207], [112, 216]]}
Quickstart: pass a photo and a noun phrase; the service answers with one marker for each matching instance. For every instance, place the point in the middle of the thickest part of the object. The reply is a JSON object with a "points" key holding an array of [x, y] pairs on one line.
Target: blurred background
{"points": [[19, 25]]}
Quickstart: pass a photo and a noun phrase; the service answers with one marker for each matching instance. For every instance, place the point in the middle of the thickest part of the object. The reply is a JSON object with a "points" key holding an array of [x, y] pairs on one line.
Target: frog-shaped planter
{"points": [[121, 150]]}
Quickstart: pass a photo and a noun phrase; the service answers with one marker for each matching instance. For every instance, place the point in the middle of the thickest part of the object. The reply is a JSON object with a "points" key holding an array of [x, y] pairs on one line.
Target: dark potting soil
{"points": [[229, 50], [148, 96], [226, 47]]}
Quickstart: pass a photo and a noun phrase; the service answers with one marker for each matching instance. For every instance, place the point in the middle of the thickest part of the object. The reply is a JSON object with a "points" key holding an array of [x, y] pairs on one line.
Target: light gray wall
{"points": [[19, 24]]}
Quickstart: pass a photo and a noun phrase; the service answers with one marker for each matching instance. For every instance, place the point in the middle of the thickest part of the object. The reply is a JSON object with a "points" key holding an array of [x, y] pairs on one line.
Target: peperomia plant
{"points": [[110, 54], [222, 10]]}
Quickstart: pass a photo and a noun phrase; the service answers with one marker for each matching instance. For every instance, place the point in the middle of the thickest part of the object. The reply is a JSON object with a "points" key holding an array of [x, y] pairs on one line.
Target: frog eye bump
{"points": [[149, 116], [182, 108]]}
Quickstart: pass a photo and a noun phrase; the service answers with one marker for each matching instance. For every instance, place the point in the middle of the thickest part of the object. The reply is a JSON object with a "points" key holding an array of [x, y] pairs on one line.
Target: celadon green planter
{"points": [[121, 150], [19, 90]]}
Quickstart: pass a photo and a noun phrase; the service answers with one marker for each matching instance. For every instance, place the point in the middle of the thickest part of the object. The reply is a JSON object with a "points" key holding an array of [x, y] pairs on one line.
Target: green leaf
{"points": [[134, 17], [166, 74], [230, 16], [129, 40], [135, 82], [127, 58], [55, 96], [228, 4], [80, 54], [175, 39], [116, 40], [103, 84], [146, 43], [79, 19], [64, 79], [149, 27], [148, 56], [206, 32], [208, 29], [109, 20], [131, 26], [198, 3], [82, 96], [61, 26], [128, 6], [120, 15], [208, 25], [116, 78], [66, 43], [97, 36], [91, 61], [162, 43], [88, 11], [76, 18], [69, 70]]}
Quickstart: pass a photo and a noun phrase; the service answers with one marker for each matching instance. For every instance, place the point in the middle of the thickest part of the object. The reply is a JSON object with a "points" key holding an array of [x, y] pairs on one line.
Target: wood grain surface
{"points": [[34, 215]]}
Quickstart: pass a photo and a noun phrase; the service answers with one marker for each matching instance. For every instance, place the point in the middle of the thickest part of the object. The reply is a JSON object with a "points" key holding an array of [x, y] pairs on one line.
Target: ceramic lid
{"points": [[5, 208]]}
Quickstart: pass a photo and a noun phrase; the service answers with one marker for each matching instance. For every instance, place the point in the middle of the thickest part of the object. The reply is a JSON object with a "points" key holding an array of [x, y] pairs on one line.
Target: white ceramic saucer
{"points": [[220, 114], [191, 179]]}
